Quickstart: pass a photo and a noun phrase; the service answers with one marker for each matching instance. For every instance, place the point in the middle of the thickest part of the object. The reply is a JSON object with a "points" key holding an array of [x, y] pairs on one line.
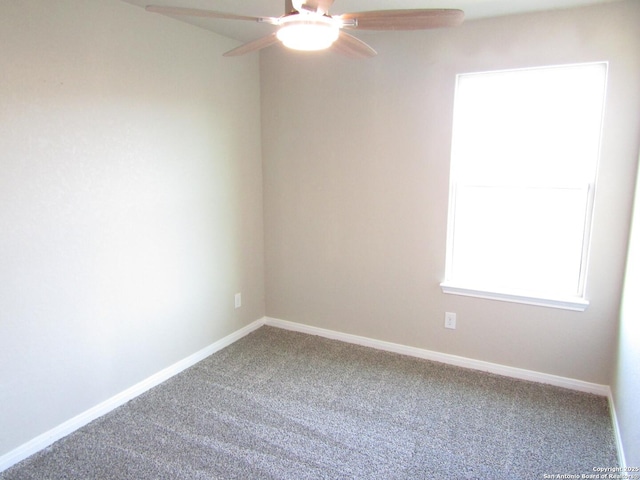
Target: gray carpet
{"points": [[285, 405]]}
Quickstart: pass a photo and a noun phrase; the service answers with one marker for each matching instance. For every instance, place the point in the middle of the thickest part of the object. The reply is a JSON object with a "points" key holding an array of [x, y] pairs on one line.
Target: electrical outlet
{"points": [[450, 320], [238, 300]]}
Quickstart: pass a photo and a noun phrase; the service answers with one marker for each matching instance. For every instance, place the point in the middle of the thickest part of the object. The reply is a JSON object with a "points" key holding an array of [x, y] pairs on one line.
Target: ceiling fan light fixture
{"points": [[308, 32]]}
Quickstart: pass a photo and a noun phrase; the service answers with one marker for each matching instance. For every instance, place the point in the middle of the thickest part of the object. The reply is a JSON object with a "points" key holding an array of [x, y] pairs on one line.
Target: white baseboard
{"points": [[622, 460], [42, 441], [522, 374]]}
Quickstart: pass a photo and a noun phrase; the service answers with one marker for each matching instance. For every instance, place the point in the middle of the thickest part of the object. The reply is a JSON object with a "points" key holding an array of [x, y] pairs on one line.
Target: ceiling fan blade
{"points": [[259, 44], [416, 19], [196, 12], [352, 47], [318, 6], [288, 7]]}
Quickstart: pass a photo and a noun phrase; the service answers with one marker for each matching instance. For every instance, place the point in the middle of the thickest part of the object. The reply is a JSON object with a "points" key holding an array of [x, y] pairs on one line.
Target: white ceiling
{"points": [[246, 30]]}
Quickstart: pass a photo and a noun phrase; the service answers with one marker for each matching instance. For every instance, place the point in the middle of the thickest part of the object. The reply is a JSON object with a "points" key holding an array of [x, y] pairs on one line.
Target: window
{"points": [[523, 167]]}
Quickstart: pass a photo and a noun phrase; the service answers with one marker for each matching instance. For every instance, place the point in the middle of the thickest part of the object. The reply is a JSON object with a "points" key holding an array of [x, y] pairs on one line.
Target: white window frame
{"points": [[576, 301]]}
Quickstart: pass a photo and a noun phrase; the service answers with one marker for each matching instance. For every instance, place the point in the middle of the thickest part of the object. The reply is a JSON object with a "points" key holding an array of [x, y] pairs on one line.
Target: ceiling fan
{"points": [[307, 25]]}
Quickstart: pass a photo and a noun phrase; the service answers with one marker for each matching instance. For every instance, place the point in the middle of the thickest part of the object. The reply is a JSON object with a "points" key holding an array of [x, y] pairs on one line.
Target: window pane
{"points": [[538, 124], [519, 238], [524, 156]]}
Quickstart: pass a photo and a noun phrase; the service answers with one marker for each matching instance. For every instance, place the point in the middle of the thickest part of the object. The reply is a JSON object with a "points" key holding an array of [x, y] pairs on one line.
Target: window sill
{"points": [[577, 304]]}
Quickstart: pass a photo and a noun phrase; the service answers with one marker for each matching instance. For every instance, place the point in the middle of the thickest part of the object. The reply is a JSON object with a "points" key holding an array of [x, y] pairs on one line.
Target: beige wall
{"points": [[130, 202], [356, 165], [626, 381]]}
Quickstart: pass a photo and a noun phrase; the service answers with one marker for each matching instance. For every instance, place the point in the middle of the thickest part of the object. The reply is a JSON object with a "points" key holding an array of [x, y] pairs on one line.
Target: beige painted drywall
{"points": [[130, 202], [626, 378], [356, 166]]}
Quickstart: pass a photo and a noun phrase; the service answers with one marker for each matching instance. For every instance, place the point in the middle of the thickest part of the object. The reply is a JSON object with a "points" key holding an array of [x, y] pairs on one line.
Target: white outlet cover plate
{"points": [[450, 320]]}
